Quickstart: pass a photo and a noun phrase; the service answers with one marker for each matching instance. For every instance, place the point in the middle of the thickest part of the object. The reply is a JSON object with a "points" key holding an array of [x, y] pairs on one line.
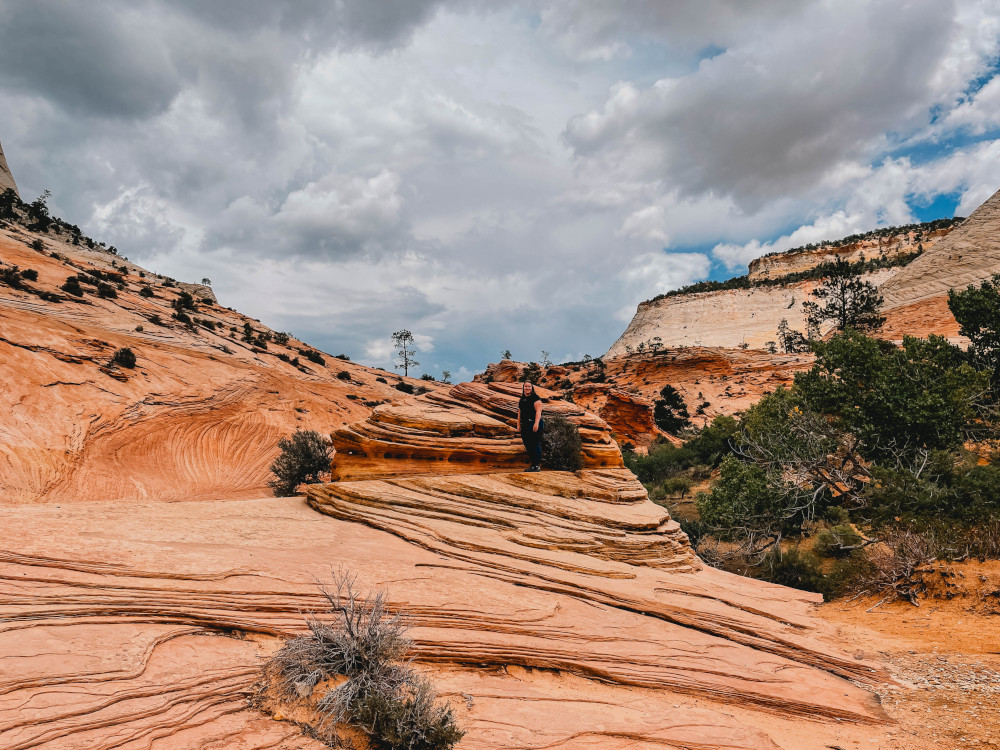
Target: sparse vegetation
{"points": [[383, 698], [123, 357], [72, 286], [562, 448], [303, 457]]}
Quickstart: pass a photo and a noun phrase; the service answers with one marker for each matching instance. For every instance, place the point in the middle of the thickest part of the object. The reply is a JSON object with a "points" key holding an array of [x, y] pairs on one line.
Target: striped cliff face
{"points": [[6, 178]]}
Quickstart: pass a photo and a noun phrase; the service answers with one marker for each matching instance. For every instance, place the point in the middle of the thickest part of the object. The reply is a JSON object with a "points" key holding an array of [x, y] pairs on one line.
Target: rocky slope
{"points": [[552, 609], [199, 416], [6, 178], [915, 298]]}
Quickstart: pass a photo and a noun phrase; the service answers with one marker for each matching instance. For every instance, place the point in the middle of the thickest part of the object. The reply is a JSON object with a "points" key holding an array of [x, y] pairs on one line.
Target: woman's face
{"points": [[527, 389]]}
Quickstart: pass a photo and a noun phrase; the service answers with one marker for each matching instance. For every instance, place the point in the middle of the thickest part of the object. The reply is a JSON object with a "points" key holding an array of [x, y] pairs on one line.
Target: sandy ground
{"points": [[945, 656]]}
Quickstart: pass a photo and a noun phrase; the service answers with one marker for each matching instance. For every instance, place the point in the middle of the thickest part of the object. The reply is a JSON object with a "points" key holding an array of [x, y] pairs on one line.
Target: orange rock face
{"points": [[470, 428], [198, 417], [712, 381]]}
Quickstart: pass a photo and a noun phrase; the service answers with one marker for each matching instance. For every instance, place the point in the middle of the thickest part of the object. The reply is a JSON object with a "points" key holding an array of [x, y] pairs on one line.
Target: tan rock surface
{"points": [[968, 255], [6, 178]]}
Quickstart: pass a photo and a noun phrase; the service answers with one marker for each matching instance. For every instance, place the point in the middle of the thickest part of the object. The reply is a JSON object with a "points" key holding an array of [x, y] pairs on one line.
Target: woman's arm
{"points": [[538, 415], [519, 418]]}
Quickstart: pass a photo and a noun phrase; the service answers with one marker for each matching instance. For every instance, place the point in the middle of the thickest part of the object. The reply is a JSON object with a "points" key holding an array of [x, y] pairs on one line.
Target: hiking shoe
{"points": [[534, 468]]}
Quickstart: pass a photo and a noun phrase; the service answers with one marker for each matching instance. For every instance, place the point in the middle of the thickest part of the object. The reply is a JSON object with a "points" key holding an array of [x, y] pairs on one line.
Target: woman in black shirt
{"points": [[529, 424]]}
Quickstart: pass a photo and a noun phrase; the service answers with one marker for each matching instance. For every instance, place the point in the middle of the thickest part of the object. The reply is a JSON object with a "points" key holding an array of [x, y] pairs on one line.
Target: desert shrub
{"points": [[677, 486], [562, 448], [837, 541], [302, 458], [343, 375], [790, 567], [72, 286], [532, 373], [182, 318], [123, 357], [428, 377], [313, 356], [139, 328], [380, 379], [146, 291], [281, 338], [106, 291], [404, 387], [343, 357], [385, 699], [30, 274], [184, 301], [11, 277], [156, 320]]}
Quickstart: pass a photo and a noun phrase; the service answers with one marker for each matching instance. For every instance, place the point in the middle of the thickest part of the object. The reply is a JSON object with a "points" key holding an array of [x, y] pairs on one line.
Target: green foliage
{"points": [[896, 401], [677, 486], [313, 356], [343, 375], [405, 387], [72, 286], [562, 448], [837, 541], [532, 373], [123, 357], [303, 458], [977, 310], [428, 377], [847, 300], [146, 291], [406, 348], [106, 291], [751, 506], [670, 412], [791, 567]]}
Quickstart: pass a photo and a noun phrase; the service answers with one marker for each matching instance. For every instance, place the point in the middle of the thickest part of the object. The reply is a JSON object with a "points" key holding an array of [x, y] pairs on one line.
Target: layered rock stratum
{"points": [[553, 609], [915, 293], [6, 178]]}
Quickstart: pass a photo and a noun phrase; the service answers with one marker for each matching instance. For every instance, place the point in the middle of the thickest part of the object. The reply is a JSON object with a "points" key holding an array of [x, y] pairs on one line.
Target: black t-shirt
{"points": [[526, 404]]}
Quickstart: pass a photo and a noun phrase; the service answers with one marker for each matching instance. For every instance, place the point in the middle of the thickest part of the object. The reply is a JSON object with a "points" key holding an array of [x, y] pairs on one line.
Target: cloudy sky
{"points": [[490, 175]]}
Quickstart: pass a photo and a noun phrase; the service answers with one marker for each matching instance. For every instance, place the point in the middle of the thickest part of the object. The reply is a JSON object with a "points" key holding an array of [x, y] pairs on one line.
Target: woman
{"points": [[529, 424]]}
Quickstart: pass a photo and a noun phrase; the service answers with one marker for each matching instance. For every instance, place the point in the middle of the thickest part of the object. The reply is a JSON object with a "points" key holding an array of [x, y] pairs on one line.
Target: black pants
{"points": [[533, 444]]}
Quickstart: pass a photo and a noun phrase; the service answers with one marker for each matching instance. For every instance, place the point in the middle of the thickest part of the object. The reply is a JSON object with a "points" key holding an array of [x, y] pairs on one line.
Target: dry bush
{"points": [[382, 697], [893, 568], [562, 448]]}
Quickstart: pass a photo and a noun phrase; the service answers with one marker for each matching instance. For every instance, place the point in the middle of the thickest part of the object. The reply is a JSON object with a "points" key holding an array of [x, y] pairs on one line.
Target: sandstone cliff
{"points": [[915, 298], [750, 316], [6, 178]]}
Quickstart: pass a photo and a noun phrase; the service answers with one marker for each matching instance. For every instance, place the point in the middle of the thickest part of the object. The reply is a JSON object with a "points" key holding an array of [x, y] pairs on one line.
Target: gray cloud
{"points": [[344, 169]]}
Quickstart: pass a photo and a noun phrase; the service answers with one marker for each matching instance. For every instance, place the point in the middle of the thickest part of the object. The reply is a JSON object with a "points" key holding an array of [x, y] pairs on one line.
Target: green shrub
{"points": [[670, 412], [404, 387], [106, 291], [677, 486], [837, 541], [303, 458], [343, 375], [30, 274], [799, 570], [123, 357], [146, 291], [562, 448]]}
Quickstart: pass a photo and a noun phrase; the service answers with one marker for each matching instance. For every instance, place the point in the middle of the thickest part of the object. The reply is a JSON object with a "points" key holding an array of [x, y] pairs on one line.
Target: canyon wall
{"points": [[726, 318]]}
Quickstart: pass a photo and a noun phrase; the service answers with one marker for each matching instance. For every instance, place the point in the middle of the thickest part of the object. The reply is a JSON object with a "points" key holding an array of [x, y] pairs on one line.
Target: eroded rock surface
{"points": [[199, 416]]}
